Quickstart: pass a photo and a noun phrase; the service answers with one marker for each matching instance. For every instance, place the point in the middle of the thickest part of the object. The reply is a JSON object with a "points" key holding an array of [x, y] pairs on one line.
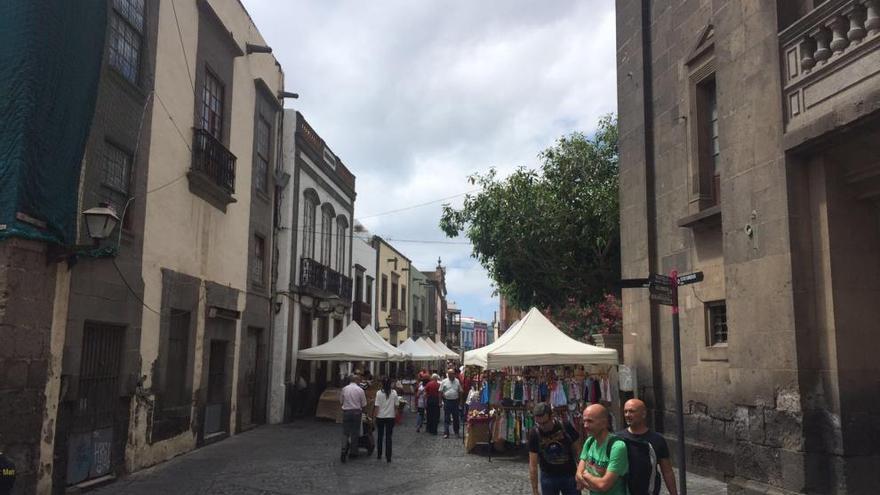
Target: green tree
{"points": [[549, 236]]}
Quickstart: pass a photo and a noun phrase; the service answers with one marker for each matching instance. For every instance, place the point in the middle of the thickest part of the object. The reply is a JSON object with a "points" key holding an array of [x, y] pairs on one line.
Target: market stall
{"points": [[352, 344], [534, 362], [441, 351]]}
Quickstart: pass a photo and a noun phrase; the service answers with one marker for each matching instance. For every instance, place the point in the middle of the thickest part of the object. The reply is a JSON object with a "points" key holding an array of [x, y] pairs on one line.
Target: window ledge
{"points": [[706, 218], [716, 352], [204, 187]]}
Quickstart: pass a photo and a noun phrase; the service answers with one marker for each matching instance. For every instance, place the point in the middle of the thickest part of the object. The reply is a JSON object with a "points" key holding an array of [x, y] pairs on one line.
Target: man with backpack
{"points": [[604, 460], [644, 478], [553, 447]]}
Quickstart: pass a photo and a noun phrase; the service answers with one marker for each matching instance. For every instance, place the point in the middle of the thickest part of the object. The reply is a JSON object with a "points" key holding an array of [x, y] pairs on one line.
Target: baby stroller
{"points": [[366, 440]]}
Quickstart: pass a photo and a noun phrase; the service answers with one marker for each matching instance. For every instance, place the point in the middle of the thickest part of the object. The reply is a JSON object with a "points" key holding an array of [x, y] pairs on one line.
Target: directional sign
{"points": [[665, 299], [657, 279], [633, 283]]}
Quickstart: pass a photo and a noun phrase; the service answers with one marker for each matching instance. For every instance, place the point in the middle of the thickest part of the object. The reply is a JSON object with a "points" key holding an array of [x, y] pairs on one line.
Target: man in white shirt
{"points": [[451, 390], [353, 402]]}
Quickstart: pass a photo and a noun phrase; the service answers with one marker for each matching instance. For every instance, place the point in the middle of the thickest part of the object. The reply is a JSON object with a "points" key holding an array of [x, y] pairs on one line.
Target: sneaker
{"points": [[446, 435], [343, 456]]}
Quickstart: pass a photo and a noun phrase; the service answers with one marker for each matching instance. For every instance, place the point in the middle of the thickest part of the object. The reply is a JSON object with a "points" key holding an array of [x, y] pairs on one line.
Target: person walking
{"points": [[603, 461], [554, 448], [637, 433], [385, 410], [451, 390], [432, 403], [353, 402], [420, 404]]}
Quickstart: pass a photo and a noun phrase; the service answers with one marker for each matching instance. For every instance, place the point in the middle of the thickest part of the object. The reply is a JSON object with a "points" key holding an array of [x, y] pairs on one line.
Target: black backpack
{"points": [[642, 459]]}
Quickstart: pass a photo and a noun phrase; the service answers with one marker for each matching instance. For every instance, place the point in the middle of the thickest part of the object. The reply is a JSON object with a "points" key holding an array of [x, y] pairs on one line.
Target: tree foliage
{"points": [[552, 235]]}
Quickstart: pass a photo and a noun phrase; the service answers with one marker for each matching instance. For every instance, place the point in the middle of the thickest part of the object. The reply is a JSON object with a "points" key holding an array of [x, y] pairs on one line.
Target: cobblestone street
{"points": [[303, 458]]}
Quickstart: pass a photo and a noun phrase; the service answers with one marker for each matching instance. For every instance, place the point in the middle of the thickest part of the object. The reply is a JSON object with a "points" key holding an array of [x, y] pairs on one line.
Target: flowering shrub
{"points": [[581, 322]]}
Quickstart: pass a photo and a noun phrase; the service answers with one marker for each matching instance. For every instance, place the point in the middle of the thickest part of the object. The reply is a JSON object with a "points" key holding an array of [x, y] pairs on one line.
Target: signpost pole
{"points": [[676, 345]]}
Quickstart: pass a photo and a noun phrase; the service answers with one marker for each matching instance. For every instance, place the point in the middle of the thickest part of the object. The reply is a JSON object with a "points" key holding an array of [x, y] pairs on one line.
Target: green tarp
{"points": [[50, 63]]}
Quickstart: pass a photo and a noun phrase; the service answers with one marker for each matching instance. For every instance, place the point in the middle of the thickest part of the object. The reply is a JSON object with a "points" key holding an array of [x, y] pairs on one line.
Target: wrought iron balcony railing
{"points": [[324, 281], [362, 313], [211, 158]]}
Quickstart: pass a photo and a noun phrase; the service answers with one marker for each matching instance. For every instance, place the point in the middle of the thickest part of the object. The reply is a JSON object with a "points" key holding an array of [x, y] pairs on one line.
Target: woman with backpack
{"points": [[384, 411]]}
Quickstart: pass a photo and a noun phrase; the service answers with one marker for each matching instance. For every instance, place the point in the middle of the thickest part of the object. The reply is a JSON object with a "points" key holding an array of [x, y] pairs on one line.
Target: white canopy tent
{"points": [[394, 354], [446, 349], [536, 341], [352, 344], [419, 351], [479, 356], [446, 353]]}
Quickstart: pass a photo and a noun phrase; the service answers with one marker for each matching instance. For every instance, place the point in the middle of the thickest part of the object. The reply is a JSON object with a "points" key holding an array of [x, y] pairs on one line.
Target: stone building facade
{"points": [[755, 162]]}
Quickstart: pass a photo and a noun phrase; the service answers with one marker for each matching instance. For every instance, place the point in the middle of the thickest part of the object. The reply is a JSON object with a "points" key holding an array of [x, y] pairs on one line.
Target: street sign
{"points": [[690, 278], [664, 298], [657, 279]]}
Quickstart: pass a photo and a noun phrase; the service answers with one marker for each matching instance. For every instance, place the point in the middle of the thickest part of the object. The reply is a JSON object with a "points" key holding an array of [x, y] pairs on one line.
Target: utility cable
{"points": [[406, 208]]}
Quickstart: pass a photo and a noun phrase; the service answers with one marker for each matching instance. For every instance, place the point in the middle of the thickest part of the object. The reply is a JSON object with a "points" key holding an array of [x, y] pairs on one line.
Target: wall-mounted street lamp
{"points": [[100, 221]]}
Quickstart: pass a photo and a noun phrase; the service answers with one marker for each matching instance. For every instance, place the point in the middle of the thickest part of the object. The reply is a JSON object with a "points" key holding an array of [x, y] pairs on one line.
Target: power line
{"points": [[406, 208]]}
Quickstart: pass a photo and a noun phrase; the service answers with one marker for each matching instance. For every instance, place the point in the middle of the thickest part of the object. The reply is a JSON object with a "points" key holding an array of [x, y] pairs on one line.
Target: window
{"points": [[384, 298], [708, 150], [358, 286], [310, 205], [116, 180], [716, 321], [178, 356], [262, 141], [326, 237], [126, 37], [394, 287], [211, 115], [259, 262], [403, 297], [329, 158], [368, 296], [341, 227]]}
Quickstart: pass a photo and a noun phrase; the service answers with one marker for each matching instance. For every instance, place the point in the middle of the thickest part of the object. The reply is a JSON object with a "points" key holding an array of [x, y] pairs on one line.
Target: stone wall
{"points": [[27, 292]]}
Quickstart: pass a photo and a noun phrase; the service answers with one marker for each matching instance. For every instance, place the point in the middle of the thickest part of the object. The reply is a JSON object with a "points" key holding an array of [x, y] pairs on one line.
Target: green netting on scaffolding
{"points": [[50, 63]]}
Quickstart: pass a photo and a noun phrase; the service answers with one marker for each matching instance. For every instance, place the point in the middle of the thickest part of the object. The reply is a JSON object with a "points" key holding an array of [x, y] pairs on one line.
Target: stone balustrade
{"points": [[828, 51]]}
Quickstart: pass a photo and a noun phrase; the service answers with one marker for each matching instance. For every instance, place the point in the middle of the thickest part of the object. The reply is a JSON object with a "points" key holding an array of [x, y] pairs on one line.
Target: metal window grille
{"points": [[212, 106], [717, 322], [132, 11], [99, 376], [178, 356]]}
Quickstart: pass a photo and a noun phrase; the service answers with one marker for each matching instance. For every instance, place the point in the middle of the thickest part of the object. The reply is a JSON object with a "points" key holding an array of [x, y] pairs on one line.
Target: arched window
{"points": [[310, 207], [341, 229], [327, 215]]}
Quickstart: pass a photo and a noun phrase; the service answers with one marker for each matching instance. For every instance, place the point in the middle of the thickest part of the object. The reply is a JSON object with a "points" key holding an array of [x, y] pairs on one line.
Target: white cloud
{"points": [[416, 96]]}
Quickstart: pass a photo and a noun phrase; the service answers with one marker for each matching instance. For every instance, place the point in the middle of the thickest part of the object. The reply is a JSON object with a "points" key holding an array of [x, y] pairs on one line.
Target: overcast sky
{"points": [[414, 96]]}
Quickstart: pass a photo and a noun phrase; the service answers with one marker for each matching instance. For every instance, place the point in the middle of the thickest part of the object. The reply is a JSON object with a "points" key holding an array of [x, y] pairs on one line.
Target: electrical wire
{"points": [[411, 207]]}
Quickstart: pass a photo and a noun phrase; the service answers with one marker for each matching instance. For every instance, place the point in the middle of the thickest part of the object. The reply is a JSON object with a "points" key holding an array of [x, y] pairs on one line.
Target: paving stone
{"points": [[303, 458]]}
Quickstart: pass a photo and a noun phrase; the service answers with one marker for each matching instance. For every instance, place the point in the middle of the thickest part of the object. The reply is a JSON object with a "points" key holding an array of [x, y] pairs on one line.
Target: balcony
{"points": [[322, 281], [831, 65], [397, 319], [418, 328], [362, 313], [212, 174]]}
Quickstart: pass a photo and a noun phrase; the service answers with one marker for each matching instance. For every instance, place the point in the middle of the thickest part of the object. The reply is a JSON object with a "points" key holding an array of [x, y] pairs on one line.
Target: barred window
{"points": [[310, 207], [341, 228], [261, 143], [126, 37], [716, 319]]}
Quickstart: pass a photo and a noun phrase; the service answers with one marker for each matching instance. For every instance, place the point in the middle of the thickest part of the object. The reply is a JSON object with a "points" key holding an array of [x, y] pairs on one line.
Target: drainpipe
{"points": [[651, 207]]}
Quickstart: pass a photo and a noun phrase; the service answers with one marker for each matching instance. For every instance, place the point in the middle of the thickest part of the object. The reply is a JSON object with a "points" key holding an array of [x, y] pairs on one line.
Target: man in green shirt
{"points": [[598, 471]]}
